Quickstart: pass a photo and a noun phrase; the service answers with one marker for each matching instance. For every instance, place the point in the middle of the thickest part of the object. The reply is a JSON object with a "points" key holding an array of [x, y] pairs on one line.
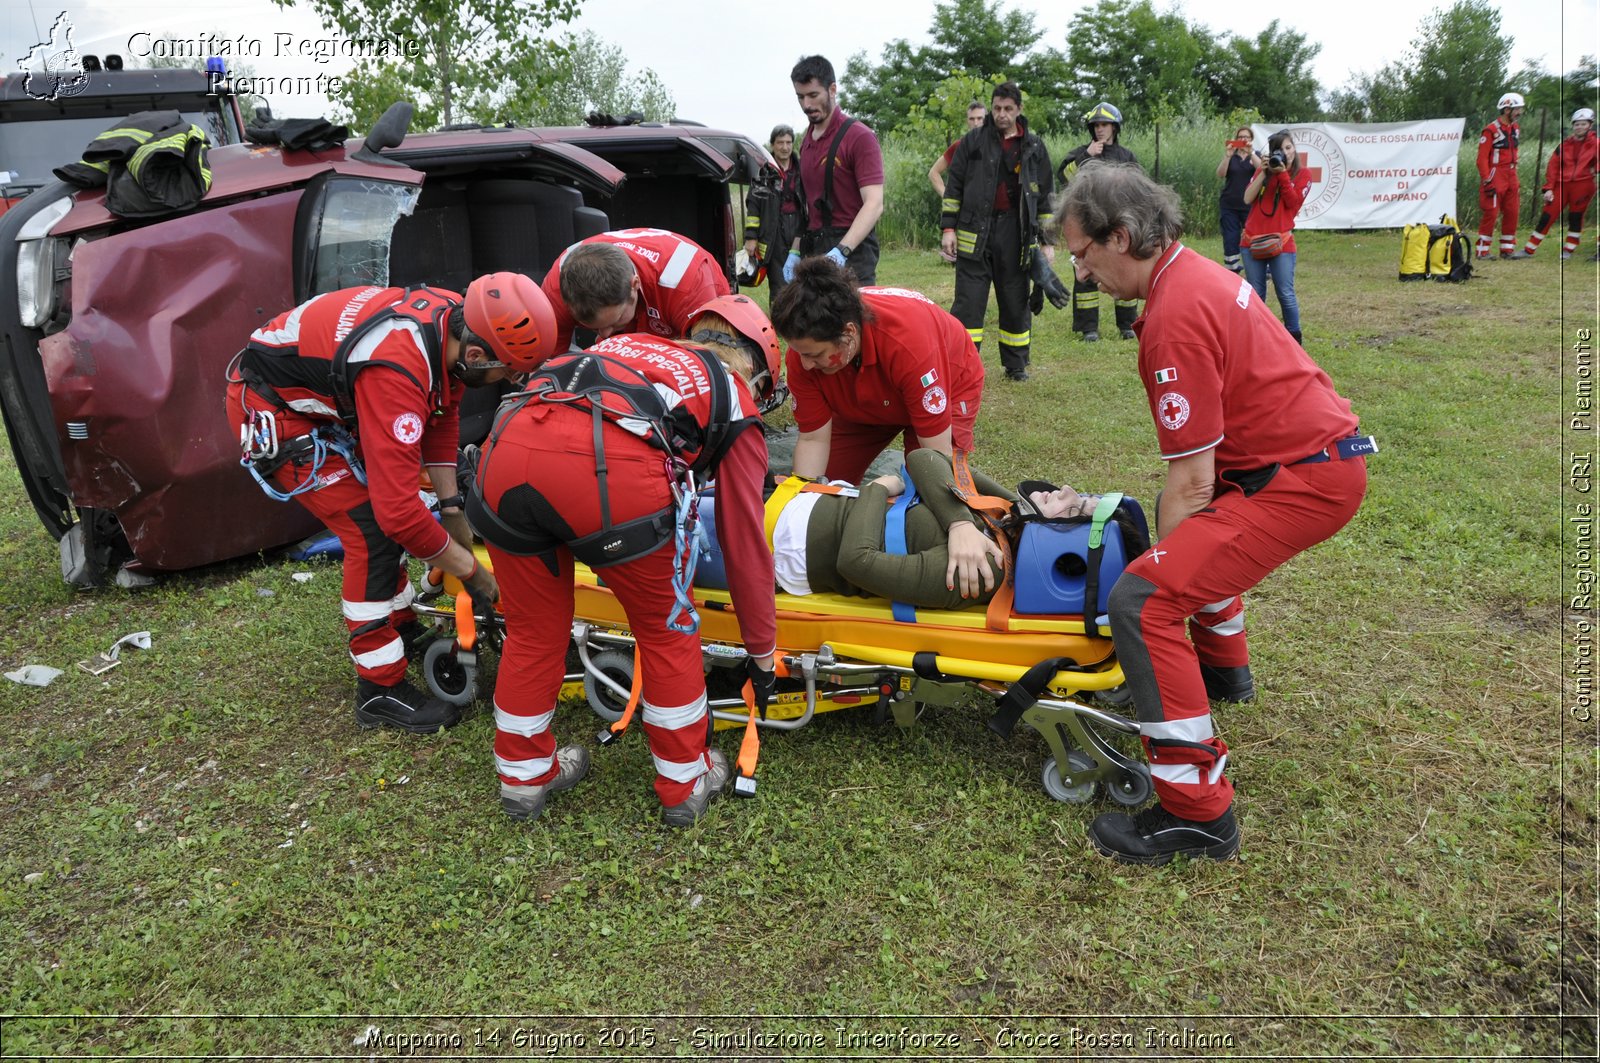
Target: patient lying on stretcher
{"points": [[835, 542]]}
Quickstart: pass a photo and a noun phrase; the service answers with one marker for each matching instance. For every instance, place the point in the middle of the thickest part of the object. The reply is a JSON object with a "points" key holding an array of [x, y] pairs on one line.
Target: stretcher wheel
{"points": [[1131, 788], [1118, 697], [617, 666], [1081, 794], [450, 678]]}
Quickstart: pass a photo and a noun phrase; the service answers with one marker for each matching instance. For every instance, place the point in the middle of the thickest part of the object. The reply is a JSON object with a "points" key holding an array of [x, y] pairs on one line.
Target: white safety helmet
{"points": [[1512, 99], [1583, 114]]}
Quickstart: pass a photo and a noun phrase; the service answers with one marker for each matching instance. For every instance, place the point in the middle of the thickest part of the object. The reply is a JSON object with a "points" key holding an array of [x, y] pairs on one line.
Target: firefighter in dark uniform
{"points": [[996, 215], [1104, 123]]}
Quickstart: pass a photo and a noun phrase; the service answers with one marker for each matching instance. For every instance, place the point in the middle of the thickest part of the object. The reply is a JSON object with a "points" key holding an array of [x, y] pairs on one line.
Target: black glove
{"points": [[483, 590], [1036, 300], [763, 684], [1045, 280]]}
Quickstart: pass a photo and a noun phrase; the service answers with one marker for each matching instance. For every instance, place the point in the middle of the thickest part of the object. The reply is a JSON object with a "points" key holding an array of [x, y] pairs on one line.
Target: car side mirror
{"points": [[387, 132]]}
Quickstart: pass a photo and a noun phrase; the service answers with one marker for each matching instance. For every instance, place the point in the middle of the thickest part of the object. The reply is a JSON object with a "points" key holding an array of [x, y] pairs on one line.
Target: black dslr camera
{"points": [[1277, 158]]}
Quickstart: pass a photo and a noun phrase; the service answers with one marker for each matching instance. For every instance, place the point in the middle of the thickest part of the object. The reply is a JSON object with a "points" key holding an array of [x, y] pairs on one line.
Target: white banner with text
{"points": [[1376, 175]]}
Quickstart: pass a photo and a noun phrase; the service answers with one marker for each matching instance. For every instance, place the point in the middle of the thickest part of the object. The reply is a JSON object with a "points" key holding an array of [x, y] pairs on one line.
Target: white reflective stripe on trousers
{"points": [[525, 770], [676, 716], [526, 726], [390, 652]]}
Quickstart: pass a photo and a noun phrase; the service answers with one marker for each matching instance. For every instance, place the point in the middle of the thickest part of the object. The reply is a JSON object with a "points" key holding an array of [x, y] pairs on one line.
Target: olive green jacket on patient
{"points": [[845, 539]]}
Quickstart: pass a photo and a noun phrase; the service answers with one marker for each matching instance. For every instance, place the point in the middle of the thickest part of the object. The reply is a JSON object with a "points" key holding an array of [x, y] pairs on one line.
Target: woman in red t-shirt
{"points": [[1275, 195]]}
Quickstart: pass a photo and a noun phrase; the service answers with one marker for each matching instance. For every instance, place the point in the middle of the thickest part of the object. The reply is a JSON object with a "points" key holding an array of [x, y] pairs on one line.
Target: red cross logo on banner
{"points": [[1314, 171]]}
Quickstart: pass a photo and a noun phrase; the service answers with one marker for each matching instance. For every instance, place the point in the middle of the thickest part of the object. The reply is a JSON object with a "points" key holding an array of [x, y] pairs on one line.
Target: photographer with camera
{"points": [[1234, 171], [1275, 193]]}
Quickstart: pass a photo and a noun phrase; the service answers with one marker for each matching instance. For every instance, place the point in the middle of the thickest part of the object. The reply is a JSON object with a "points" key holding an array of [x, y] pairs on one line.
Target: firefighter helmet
{"points": [[1103, 112], [1583, 114], [1510, 100], [748, 320], [512, 316]]}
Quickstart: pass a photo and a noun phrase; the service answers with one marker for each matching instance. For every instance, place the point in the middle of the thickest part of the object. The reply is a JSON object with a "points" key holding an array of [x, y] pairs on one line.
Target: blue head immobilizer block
{"points": [[1052, 567]]}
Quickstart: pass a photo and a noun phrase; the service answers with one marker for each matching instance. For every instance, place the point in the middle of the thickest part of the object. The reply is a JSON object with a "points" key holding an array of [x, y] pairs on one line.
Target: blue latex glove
{"points": [[835, 255], [788, 266]]}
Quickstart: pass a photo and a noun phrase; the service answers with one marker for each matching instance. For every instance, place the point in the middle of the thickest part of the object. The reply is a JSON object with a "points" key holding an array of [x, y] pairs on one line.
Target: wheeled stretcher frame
{"points": [[838, 653]]}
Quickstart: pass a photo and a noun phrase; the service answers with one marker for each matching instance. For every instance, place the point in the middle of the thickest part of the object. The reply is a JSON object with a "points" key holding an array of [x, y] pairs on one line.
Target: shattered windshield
{"points": [[357, 225]]}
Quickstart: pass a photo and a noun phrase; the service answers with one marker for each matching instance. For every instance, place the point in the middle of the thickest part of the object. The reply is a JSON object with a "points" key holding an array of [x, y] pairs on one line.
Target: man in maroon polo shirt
{"points": [[841, 213], [1263, 462]]}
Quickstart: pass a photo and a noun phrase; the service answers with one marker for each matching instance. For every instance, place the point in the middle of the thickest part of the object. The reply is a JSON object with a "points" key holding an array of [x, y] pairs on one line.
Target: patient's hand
{"points": [[971, 553]]}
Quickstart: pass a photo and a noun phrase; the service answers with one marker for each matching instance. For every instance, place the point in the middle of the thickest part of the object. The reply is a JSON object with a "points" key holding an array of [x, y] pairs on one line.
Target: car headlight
{"points": [[36, 264]]}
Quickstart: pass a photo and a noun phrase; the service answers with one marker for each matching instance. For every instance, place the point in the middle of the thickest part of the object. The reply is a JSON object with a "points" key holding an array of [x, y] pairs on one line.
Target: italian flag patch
{"points": [[929, 378], [1166, 376]]}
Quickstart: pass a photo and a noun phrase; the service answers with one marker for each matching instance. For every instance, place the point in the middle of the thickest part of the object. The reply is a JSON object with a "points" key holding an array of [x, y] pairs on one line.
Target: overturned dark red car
{"points": [[116, 333]]}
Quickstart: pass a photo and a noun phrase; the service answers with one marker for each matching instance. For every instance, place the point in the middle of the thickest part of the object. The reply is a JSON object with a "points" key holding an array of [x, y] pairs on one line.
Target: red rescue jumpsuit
{"points": [[1221, 374], [539, 475], [408, 420], [1570, 176], [1500, 191], [676, 278]]}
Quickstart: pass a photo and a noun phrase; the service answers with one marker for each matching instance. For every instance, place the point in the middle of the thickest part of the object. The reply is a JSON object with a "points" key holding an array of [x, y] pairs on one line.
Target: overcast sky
{"points": [[727, 63]]}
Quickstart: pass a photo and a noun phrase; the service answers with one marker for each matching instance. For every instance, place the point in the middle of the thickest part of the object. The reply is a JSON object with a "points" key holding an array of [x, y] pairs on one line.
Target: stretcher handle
{"points": [[466, 622], [621, 725], [750, 745]]}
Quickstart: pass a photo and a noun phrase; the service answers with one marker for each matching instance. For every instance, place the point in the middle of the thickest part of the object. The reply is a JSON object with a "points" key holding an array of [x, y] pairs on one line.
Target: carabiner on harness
{"points": [[683, 619], [315, 445]]}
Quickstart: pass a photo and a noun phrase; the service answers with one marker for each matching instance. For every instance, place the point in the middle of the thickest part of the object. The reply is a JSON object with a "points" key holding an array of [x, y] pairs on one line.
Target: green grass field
{"points": [[204, 832]]}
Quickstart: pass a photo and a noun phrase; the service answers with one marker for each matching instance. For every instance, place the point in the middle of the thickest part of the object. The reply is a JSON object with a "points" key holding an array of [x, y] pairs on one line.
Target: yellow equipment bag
{"points": [[1414, 252]]}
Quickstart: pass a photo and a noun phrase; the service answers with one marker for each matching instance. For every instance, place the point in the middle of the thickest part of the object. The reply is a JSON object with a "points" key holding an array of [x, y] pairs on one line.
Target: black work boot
{"points": [[1233, 684], [403, 707], [1155, 836], [1092, 336]]}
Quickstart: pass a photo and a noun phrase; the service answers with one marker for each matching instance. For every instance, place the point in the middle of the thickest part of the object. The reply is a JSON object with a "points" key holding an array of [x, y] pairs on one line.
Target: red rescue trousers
{"points": [[1500, 200], [551, 449], [377, 591], [1576, 196], [1208, 561]]}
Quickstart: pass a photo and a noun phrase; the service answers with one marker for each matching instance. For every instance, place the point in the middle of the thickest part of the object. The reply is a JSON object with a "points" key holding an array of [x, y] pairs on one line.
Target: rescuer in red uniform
{"points": [[341, 403], [573, 472], [1499, 191], [1568, 181], [631, 280], [1263, 461]]}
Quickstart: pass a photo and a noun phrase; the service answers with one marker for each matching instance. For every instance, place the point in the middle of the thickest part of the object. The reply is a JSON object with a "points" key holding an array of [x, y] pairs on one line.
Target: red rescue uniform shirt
{"points": [[407, 415], [676, 278], [1497, 152], [1572, 163], [1220, 371], [917, 367]]}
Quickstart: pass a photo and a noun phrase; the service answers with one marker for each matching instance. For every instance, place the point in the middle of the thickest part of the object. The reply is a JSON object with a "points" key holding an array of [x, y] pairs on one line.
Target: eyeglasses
{"points": [[1084, 250]]}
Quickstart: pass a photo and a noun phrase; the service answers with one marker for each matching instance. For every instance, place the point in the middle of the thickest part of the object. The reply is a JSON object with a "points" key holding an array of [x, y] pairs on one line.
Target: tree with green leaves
{"points": [[1271, 72], [970, 38], [465, 46], [1147, 60], [1458, 64], [590, 77], [1456, 67]]}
